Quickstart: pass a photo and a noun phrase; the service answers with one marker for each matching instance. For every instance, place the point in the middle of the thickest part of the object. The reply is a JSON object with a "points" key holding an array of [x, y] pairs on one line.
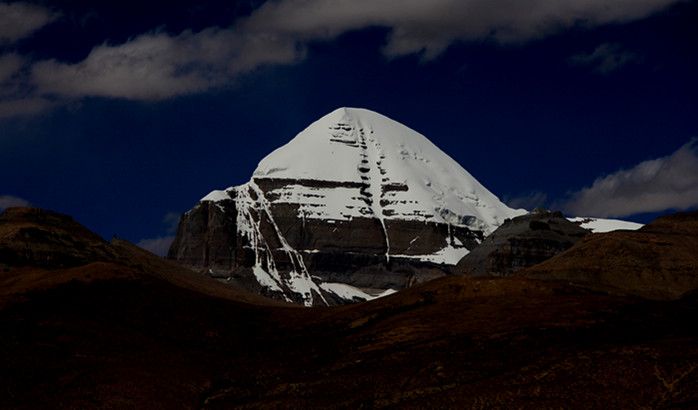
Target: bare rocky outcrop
{"points": [[520, 243]]}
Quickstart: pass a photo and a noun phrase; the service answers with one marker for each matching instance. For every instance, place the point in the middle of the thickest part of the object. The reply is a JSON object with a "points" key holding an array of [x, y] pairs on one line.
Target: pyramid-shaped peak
{"points": [[353, 189], [350, 125], [397, 166], [331, 147]]}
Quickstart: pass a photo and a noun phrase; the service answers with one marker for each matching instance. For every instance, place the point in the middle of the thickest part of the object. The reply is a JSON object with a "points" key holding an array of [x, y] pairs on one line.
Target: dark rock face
{"points": [[520, 243], [228, 238], [204, 236]]}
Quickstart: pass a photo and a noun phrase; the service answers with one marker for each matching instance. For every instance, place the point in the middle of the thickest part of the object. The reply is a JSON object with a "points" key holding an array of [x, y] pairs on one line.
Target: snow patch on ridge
{"points": [[345, 291], [600, 225], [265, 279], [216, 196], [349, 292], [449, 255]]}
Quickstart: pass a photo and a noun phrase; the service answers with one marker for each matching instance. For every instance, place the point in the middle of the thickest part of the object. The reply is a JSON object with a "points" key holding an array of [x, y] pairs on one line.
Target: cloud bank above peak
{"points": [[159, 65], [429, 27]]}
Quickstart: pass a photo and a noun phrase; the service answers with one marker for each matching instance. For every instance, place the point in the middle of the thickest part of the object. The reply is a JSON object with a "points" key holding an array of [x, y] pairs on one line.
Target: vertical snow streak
{"points": [[374, 176], [249, 228], [300, 277]]}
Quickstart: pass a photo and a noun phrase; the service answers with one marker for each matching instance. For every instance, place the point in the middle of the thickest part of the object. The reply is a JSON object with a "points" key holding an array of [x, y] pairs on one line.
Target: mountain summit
{"points": [[403, 175], [354, 200]]}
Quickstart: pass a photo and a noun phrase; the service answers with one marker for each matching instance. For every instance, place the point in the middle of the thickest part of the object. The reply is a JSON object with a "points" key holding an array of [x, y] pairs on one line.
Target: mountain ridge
{"points": [[135, 330]]}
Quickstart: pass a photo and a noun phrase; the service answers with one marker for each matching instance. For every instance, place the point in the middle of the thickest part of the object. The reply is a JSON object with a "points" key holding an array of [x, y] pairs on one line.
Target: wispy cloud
{"points": [[15, 99], [19, 106], [158, 246], [7, 201], [160, 65], [161, 245], [172, 221], [156, 66], [20, 19], [656, 185], [606, 58], [10, 64], [430, 26], [528, 200]]}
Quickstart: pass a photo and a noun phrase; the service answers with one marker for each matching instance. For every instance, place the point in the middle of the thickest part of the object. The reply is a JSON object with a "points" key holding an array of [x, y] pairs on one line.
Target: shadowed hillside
{"points": [[658, 261], [139, 331]]}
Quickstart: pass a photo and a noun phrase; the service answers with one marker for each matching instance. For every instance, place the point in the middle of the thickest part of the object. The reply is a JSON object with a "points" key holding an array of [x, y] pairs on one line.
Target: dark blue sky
{"points": [[124, 114]]}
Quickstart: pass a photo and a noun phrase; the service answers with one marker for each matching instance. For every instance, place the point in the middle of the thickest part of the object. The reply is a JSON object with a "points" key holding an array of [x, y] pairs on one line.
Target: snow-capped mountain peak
{"points": [[352, 206], [401, 173]]}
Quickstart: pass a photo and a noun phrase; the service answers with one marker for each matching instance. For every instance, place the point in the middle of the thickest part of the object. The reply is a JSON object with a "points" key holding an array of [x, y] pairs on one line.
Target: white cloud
{"points": [[161, 245], [431, 25], [606, 58], [19, 20], [158, 246], [15, 100], [7, 201], [158, 65], [656, 185]]}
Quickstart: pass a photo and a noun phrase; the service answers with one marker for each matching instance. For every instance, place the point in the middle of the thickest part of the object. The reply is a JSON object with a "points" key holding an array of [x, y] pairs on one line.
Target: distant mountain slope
{"points": [[601, 225], [32, 236], [41, 249]]}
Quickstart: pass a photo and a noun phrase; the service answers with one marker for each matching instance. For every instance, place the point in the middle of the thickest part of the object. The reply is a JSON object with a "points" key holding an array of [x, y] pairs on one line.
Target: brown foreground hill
{"points": [[136, 331], [658, 261]]}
